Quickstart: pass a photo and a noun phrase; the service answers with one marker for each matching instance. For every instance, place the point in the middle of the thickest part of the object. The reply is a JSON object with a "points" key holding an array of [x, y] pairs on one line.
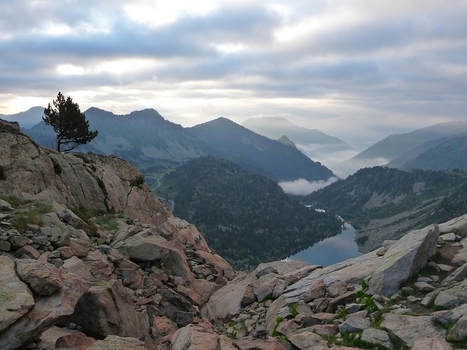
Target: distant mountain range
{"points": [[275, 128], [27, 119], [406, 151], [150, 142], [314, 143]]}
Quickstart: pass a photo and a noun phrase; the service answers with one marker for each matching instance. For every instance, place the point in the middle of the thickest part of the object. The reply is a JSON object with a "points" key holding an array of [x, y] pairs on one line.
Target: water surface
{"points": [[331, 250]]}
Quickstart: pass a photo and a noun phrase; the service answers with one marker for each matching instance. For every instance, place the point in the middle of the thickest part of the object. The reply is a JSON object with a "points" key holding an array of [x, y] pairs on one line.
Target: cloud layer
{"points": [[304, 187], [356, 69]]}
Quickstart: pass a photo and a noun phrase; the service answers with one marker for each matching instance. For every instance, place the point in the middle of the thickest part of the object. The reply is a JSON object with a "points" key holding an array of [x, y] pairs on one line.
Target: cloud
{"points": [[359, 70], [304, 187]]}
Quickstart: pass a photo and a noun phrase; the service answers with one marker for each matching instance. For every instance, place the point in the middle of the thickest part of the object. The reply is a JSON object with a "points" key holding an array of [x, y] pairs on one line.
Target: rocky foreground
{"points": [[91, 260]]}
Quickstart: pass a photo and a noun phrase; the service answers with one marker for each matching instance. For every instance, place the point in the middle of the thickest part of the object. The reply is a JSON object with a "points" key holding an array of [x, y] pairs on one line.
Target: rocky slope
{"points": [[136, 277]]}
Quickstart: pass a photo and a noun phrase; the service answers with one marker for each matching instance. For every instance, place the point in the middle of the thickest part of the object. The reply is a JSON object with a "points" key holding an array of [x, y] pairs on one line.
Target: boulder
{"points": [[404, 259], [43, 278], [377, 337], [145, 246], [47, 311], [431, 343], [113, 342], [409, 328], [230, 299], [107, 309], [305, 340], [15, 297], [77, 341], [458, 333], [195, 337]]}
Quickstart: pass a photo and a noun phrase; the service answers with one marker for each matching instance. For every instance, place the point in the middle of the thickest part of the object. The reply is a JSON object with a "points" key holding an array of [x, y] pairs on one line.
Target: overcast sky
{"points": [[356, 69]]}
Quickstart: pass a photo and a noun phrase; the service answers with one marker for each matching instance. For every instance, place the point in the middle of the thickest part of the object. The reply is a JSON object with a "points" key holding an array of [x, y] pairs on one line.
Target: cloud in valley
{"points": [[304, 187], [357, 69]]}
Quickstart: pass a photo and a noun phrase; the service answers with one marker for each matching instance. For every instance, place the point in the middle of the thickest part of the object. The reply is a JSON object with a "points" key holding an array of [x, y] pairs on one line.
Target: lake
{"points": [[331, 250]]}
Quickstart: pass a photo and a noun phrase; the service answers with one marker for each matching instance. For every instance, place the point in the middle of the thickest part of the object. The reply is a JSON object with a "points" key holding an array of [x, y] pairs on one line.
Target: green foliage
{"points": [[274, 332], [108, 220], [31, 215], [2, 173], [14, 201], [83, 157], [137, 182], [244, 217], [57, 167], [293, 309], [69, 124]]}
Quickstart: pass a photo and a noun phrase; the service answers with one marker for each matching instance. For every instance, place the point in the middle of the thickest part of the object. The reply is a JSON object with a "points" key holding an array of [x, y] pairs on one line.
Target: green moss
{"points": [[57, 167], [293, 309], [274, 332]]}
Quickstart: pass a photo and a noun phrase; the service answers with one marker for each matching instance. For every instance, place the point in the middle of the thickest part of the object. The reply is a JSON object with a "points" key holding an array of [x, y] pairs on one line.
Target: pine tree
{"points": [[69, 123]]}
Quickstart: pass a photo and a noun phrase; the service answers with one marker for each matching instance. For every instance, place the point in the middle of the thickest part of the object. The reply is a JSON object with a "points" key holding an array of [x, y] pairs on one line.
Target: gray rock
{"points": [[424, 287], [378, 337], [457, 225], [447, 317], [404, 259], [431, 343], [305, 340], [458, 333], [409, 328], [355, 324], [446, 300]]}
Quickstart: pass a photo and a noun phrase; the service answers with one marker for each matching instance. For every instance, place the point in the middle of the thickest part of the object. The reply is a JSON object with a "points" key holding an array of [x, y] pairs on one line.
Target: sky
{"points": [[356, 69]]}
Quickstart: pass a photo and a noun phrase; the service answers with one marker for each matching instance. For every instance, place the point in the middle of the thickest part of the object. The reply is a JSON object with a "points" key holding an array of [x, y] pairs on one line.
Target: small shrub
{"points": [[137, 182], [2, 173], [57, 167], [83, 157]]}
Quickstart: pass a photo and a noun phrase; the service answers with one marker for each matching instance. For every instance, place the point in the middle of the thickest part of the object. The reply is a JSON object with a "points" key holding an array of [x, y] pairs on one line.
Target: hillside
{"points": [[245, 217], [27, 119], [257, 153], [405, 145], [450, 154], [383, 203], [155, 145]]}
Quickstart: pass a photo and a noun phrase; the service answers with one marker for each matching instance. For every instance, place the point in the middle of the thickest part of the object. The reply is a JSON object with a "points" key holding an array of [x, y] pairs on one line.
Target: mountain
{"points": [[275, 127], [27, 119], [257, 153], [245, 217], [444, 154], [84, 242], [383, 203], [314, 143], [155, 144], [398, 145]]}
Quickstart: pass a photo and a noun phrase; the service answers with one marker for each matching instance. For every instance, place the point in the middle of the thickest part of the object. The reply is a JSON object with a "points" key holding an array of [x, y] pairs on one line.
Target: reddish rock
{"points": [[43, 278], [108, 309], [46, 312], [77, 341]]}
